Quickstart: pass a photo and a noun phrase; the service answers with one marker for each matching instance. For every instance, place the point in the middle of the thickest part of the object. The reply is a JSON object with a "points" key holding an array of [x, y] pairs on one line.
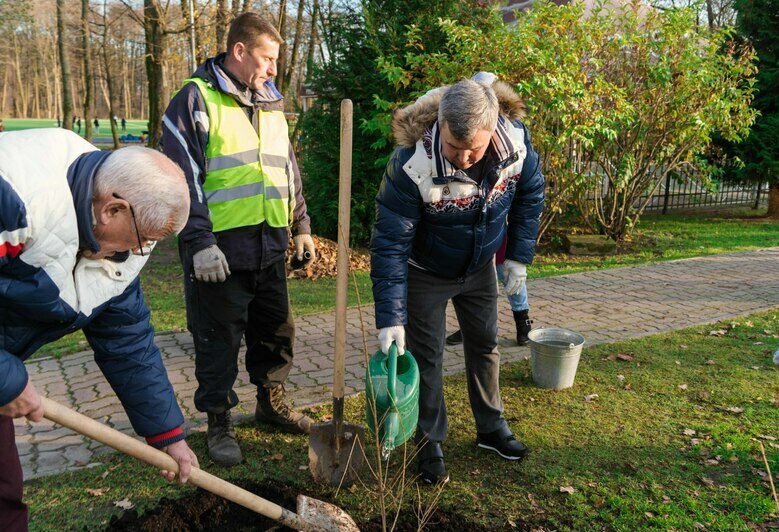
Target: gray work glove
{"points": [[210, 265], [516, 273], [305, 251], [394, 333]]}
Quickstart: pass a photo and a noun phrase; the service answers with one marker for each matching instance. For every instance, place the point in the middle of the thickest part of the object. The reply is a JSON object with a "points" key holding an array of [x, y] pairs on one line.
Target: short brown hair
{"points": [[248, 28]]}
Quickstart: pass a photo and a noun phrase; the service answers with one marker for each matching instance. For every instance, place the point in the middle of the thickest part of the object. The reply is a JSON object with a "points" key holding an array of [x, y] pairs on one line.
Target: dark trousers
{"points": [[475, 303], [13, 512], [254, 304]]}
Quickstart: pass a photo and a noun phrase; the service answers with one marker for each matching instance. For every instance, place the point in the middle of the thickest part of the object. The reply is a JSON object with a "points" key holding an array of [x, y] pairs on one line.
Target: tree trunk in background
{"points": [[87, 111], [293, 61], [67, 96], [236, 9], [246, 6], [109, 79], [773, 200], [20, 99], [281, 66], [154, 38], [312, 38], [220, 26]]}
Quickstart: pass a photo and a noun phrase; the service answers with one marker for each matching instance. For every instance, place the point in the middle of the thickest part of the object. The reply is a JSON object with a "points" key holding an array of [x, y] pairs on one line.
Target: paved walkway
{"points": [[604, 306]]}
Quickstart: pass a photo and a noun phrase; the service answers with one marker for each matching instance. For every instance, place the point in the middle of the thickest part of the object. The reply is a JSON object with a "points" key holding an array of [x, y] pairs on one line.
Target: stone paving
{"points": [[604, 306]]}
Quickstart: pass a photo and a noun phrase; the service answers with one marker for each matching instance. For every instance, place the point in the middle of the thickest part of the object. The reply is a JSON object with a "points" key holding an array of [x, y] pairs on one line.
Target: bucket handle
{"points": [[392, 371]]}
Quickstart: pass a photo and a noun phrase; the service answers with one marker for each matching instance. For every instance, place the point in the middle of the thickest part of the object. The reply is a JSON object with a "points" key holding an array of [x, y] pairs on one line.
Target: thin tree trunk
{"points": [[88, 82], [5, 92], [67, 96], [246, 6], [312, 39], [773, 200], [220, 25], [21, 93], [293, 61], [109, 79], [282, 62], [155, 42], [236, 8]]}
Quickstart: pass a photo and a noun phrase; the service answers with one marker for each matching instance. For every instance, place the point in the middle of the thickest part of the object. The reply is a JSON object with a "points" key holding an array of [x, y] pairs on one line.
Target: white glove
{"points": [[305, 252], [396, 334], [516, 273], [210, 265]]}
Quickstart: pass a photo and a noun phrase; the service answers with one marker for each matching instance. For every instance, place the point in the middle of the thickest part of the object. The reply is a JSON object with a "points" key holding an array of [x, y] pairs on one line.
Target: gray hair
{"points": [[467, 107], [153, 184]]}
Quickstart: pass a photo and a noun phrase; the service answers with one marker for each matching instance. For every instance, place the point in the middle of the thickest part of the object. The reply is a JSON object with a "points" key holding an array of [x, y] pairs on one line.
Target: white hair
{"points": [[467, 107], [151, 183]]}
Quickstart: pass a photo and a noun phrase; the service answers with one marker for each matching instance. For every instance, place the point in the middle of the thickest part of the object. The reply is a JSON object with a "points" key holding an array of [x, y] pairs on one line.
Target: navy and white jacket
{"points": [[47, 289], [433, 216], [185, 127]]}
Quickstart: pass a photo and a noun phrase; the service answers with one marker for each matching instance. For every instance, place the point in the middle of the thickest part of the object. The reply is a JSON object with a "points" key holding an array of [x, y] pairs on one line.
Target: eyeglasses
{"points": [[141, 249]]}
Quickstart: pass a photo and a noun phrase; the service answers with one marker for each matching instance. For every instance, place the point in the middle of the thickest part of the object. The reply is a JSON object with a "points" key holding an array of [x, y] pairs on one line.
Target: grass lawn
{"points": [[668, 440], [658, 238], [134, 127]]}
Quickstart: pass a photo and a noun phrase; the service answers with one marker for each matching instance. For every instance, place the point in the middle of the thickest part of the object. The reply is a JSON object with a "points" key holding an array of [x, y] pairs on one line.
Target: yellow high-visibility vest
{"points": [[248, 175]]}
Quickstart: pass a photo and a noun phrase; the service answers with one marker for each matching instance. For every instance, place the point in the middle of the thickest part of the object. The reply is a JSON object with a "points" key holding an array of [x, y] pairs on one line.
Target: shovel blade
{"points": [[333, 460], [321, 515]]}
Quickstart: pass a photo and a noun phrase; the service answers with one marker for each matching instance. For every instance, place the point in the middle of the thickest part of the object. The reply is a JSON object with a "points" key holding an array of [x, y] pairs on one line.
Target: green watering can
{"points": [[392, 390]]}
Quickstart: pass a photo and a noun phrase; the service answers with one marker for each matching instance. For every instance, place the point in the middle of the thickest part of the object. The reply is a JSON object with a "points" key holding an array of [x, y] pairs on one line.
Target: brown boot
{"points": [[271, 408]]}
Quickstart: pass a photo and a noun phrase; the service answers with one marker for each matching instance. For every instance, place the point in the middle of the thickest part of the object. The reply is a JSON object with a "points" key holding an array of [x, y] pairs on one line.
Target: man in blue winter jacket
{"points": [[463, 178], [76, 227]]}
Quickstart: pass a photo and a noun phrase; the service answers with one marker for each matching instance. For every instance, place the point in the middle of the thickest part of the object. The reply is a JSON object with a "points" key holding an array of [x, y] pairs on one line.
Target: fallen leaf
{"points": [[124, 504], [625, 357], [682, 386], [709, 362], [597, 503], [712, 462], [695, 441], [757, 343], [718, 332], [99, 492], [590, 397], [302, 467], [707, 481], [766, 331], [678, 363], [689, 432], [649, 514], [764, 437], [610, 358], [683, 346], [748, 324], [628, 387], [327, 417], [735, 409], [277, 456], [733, 458], [567, 489], [666, 499], [698, 526], [620, 378]]}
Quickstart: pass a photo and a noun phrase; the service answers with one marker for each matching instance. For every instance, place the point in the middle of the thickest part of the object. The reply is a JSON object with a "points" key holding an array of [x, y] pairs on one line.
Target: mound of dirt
{"points": [[325, 264]]}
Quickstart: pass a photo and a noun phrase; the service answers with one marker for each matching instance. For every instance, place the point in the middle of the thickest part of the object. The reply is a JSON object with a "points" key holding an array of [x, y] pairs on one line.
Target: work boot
{"points": [[524, 324], [271, 408], [222, 447], [455, 338]]}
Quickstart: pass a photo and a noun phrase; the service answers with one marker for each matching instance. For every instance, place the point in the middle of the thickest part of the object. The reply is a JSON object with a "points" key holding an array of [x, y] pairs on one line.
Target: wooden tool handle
{"points": [[90, 428], [342, 262]]}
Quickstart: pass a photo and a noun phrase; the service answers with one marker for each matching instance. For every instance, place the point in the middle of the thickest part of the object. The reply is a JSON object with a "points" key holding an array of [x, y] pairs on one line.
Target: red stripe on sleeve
{"points": [[10, 250], [151, 440]]}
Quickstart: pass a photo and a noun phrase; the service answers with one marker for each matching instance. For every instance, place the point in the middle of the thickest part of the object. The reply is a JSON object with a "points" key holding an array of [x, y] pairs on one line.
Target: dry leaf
{"points": [[620, 378], [625, 357], [277, 456], [707, 481], [698, 526], [710, 362], [766, 331], [712, 462], [666, 498], [610, 358], [683, 346], [628, 387], [735, 409], [597, 503], [678, 363], [689, 432], [649, 514], [124, 504], [718, 332], [733, 458], [590, 397], [682, 386], [302, 467], [567, 489], [764, 437], [695, 441], [748, 324], [99, 492], [757, 343]]}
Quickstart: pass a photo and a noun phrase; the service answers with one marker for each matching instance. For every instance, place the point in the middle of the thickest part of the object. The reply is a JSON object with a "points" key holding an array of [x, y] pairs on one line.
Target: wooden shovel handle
{"points": [[90, 428]]}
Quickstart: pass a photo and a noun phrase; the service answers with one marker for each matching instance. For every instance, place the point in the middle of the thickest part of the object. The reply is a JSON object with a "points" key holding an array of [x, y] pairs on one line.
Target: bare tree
{"points": [[85, 42], [220, 25], [154, 30], [67, 96], [109, 79], [293, 61], [281, 25]]}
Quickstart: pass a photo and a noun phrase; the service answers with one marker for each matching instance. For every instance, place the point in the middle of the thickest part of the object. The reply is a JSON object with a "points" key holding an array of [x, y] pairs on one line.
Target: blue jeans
{"points": [[519, 301]]}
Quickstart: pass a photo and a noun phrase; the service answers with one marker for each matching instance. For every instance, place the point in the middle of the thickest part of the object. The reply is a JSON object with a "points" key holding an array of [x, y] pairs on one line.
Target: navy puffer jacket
{"points": [[432, 216]]}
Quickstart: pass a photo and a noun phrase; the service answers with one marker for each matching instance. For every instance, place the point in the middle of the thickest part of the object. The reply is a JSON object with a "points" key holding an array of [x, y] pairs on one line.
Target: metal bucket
{"points": [[554, 356]]}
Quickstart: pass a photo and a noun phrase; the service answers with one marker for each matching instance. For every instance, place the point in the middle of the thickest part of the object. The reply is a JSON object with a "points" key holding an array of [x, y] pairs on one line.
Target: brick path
{"points": [[604, 306]]}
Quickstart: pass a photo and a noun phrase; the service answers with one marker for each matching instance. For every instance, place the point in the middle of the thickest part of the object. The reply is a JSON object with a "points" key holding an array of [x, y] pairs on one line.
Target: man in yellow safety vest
{"points": [[227, 131]]}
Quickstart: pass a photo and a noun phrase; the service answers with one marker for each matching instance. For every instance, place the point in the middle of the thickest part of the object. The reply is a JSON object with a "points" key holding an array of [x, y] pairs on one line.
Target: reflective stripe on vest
{"points": [[248, 178]]}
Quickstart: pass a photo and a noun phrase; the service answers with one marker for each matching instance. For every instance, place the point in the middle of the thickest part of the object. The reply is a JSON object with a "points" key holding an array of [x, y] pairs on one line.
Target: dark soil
{"points": [[207, 512]]}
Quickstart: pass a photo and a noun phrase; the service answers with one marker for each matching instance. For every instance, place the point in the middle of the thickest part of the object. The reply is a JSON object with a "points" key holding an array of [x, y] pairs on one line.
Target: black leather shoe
{"points": [[432, 469], [222, 447], [455, 338], [506, 445]]}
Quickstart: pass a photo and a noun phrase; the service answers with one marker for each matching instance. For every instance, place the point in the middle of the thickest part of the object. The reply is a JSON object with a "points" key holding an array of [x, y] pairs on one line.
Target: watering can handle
{"points": [[392, 371]]}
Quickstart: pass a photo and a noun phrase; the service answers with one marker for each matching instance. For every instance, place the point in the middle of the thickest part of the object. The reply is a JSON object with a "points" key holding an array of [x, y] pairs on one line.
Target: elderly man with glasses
{"points": [[76, 227]]}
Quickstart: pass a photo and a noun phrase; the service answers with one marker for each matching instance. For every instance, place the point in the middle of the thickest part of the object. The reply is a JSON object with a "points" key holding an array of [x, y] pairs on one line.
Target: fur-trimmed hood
{"points": [[410, 123]]}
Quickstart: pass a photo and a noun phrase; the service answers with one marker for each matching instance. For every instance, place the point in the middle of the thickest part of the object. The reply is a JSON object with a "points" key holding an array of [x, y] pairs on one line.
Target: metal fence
{"points": [[684, 192]]}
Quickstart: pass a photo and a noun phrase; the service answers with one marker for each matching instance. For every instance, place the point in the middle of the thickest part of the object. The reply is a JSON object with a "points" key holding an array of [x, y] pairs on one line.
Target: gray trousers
{"points": [[475, 302]]}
